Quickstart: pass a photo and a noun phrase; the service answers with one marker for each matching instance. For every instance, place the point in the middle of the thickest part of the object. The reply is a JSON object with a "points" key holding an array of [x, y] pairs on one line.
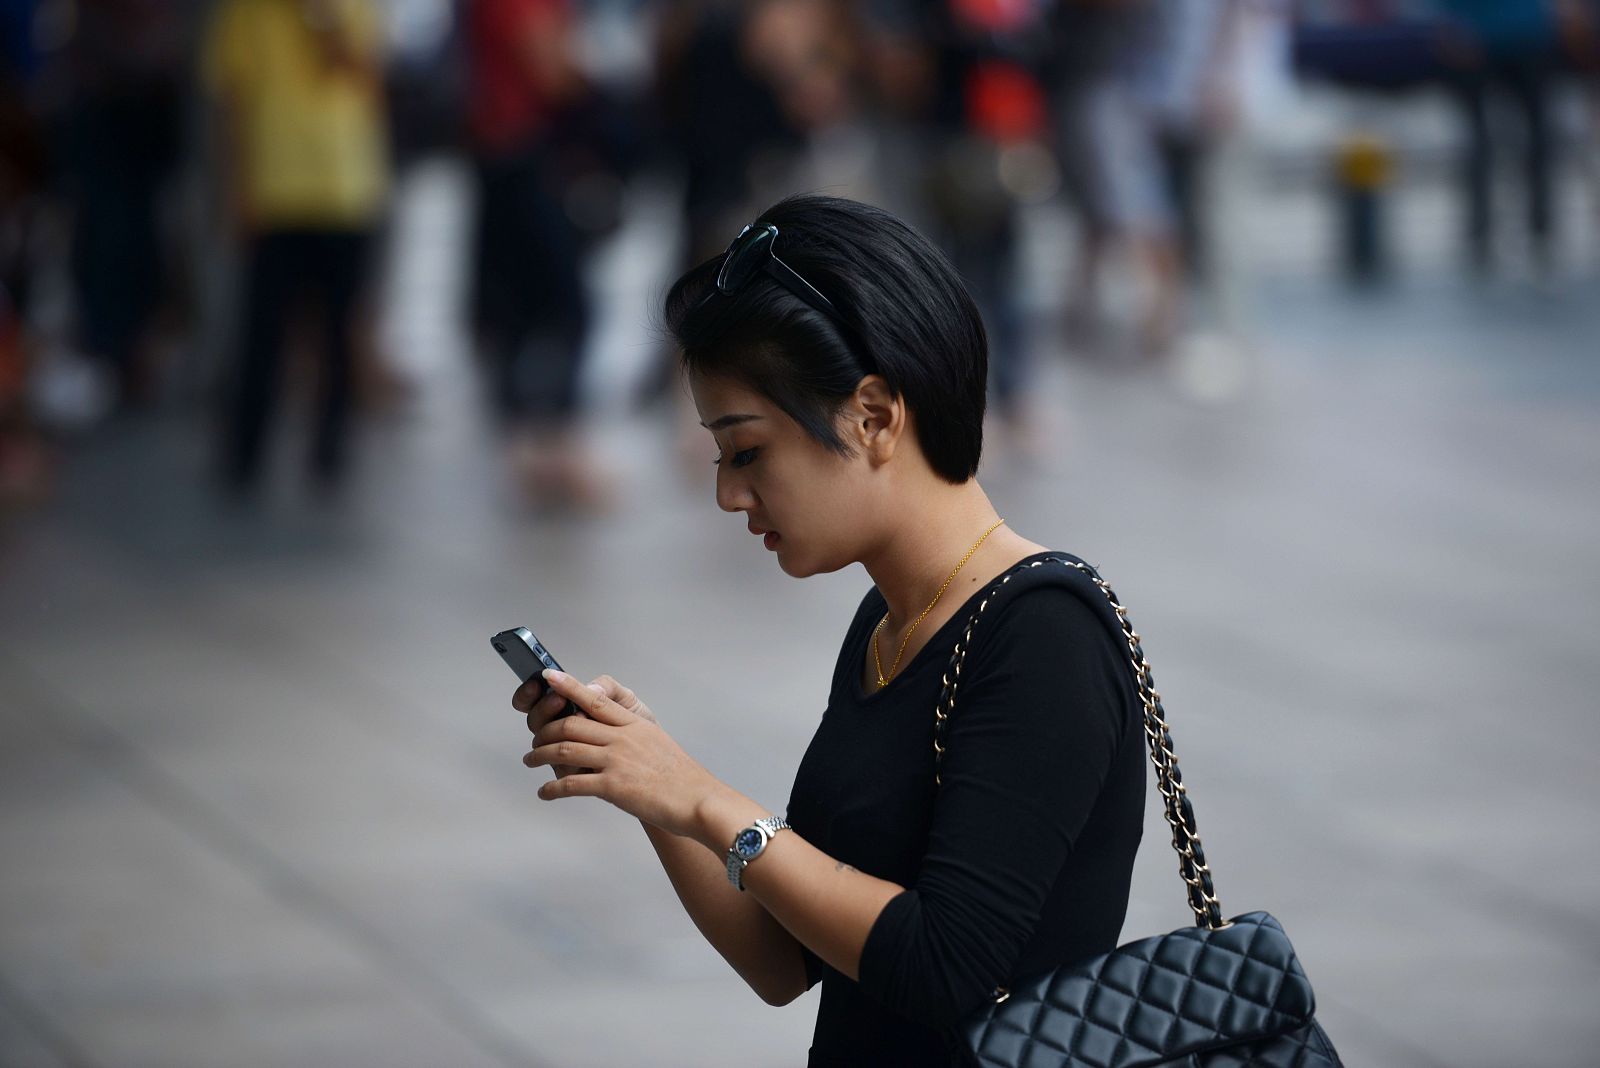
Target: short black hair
{"points": [[907, 316]]}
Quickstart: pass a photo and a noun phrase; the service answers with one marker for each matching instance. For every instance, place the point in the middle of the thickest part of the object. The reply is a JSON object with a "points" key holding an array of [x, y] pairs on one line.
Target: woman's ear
{"points": [[878, 419]]}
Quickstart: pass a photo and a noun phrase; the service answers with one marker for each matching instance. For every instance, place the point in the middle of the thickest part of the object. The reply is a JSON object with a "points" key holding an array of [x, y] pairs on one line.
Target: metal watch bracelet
{"points": [[749, 844]]}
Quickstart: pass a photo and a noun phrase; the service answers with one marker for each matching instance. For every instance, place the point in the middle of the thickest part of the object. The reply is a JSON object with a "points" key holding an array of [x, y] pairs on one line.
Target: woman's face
{"points": [[814, 502]]}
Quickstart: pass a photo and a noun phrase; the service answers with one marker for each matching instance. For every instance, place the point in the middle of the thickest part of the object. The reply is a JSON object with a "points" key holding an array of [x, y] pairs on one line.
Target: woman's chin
{"points": [[796, 566], [789, 562]]}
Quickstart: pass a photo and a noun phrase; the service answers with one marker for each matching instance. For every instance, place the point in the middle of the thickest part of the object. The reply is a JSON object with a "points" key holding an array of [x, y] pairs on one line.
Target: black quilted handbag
{"points": [[1220, 994]]}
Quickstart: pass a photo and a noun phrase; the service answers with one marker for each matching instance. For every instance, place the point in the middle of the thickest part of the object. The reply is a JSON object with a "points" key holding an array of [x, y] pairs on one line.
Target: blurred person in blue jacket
{"points": [[1504, 49]]}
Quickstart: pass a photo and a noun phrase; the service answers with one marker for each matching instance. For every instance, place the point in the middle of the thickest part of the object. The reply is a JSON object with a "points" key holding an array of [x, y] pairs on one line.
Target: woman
{"points": [[840, 365]]}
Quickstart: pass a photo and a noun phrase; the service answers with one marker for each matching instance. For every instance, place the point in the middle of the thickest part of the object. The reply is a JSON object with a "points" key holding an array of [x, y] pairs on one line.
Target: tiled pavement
{"points": [[260, 793]]}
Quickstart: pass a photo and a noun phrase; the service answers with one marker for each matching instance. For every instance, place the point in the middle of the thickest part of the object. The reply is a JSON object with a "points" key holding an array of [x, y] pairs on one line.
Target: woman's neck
{"points": [[929, 542]]}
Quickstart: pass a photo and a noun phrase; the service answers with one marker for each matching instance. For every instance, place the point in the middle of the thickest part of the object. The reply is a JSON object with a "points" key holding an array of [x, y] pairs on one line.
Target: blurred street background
{"points": [[328, 349]]}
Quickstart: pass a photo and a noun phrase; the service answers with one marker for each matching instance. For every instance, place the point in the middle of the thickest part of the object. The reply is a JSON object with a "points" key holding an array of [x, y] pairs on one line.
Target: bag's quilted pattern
{"points": [[1305, 1047], [1197, 997]]}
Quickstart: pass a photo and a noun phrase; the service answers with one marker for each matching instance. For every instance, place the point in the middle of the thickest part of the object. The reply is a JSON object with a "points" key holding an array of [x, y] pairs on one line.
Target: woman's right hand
{"points": [[541, 704]]}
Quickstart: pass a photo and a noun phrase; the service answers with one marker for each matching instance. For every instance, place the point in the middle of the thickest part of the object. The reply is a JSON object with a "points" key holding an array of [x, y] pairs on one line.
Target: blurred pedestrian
{"points": [[531, 307], [989, 118], [122, 141], [1580, 35], [1504, 51], [305, 176], [807, 51], [740, 87], [717, 116], [1189, 90], [1110, 161], [26, 459]]}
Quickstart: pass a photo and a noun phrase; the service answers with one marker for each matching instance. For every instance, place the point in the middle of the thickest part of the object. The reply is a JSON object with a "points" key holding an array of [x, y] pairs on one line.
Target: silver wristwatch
{"points": [[749, 843]]}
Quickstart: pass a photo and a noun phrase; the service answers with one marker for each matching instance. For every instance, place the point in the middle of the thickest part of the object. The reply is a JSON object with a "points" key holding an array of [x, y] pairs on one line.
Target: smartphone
{"points": [[522, 651]]}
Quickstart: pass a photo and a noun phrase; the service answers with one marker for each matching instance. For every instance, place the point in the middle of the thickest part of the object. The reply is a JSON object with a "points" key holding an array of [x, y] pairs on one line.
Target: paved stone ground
{"points": [[260, 793]]}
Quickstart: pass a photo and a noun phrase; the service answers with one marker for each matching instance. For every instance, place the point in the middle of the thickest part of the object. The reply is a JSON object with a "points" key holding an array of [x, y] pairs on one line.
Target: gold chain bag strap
{"points": [[1203, 996]]}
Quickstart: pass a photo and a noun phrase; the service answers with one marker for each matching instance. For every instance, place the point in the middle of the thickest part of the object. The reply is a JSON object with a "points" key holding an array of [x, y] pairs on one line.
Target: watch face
{"points": [[748, 844]]}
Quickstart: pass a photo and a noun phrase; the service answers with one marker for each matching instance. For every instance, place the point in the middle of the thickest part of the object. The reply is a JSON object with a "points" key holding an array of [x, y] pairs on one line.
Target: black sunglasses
{"points": [[752, 252]]}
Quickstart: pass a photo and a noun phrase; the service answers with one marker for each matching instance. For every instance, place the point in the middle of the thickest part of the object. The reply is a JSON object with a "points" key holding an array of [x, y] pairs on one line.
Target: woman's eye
{"points": [[740, 459]]}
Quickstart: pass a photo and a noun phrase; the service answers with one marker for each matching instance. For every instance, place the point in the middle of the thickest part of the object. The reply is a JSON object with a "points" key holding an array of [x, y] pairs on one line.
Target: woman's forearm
{"points": [[827, 906], [766, 956], [691, 818]]}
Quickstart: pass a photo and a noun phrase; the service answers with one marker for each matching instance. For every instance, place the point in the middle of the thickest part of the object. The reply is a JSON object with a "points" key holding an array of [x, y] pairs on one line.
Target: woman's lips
{"points": [[770, 540]]}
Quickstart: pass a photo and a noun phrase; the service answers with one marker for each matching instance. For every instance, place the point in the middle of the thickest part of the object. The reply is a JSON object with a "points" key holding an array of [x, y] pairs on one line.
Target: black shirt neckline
{"points": [[858, 658]]}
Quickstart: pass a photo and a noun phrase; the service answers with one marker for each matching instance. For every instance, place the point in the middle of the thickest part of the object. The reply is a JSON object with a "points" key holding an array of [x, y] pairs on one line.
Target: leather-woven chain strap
{"points": [[1180, 813]]}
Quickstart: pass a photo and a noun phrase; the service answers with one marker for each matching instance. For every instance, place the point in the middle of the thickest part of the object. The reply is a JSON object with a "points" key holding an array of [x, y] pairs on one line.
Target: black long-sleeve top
{"points": [[1021, 860]]}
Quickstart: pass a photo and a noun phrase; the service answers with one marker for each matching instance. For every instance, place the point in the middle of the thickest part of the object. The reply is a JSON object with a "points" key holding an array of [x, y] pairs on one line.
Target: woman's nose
{"points": [[732, 494]]}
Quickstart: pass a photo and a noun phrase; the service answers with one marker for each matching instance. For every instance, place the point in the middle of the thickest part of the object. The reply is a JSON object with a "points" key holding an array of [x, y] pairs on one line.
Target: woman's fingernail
{"points": [[552, 673]]}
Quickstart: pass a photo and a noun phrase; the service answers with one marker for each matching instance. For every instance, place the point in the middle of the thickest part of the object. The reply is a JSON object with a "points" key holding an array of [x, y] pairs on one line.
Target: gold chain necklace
{"points": [[883, 680]]}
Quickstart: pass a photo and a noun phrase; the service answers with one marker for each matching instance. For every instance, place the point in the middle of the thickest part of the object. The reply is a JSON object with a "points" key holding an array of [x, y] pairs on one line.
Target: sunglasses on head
{"points": [[752, 253]]}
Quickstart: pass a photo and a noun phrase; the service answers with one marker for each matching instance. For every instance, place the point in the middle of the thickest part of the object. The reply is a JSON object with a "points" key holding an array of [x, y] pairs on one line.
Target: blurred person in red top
{"points": [[530, 307], [954, 88]]}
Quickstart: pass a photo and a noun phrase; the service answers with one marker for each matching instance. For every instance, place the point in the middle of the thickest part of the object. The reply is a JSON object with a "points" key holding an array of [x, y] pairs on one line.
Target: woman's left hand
{"points": [[637, 766]]}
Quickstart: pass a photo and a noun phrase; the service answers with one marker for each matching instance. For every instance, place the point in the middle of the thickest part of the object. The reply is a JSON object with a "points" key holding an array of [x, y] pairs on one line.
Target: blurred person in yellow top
{"points": [[301, 81], [299, 84]]}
